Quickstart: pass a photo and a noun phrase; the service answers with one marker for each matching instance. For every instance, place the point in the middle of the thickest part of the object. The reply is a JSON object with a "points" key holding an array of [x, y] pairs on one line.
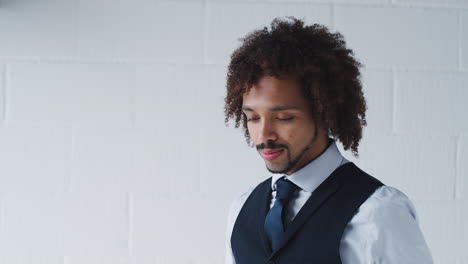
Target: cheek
{"points": [[297, 136], [289, 134], [252, 132]]}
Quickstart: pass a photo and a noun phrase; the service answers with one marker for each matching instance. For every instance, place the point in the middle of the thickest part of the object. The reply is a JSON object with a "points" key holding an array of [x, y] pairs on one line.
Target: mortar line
{"points": [[71, 159], [394, 95], [130, 223], [206, 23], [2, 213], [132, 99], [6, 94], [458, 182], [460, 36], [332, 16]]}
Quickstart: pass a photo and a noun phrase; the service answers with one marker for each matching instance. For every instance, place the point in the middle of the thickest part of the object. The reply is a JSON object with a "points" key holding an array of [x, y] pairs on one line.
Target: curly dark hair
{"points": [[318, 60]]}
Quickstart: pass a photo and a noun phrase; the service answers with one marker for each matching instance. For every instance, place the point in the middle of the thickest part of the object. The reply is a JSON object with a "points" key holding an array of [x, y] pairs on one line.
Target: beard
{"points": [[290, 163]]}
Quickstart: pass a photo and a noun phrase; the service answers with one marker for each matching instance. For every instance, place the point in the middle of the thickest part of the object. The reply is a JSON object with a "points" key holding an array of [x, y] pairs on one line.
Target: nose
{"points": [[266, 132]]}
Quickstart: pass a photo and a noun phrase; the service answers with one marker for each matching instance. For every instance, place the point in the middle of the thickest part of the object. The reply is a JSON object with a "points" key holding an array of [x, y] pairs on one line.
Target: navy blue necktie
{"points": [[274, 221]]}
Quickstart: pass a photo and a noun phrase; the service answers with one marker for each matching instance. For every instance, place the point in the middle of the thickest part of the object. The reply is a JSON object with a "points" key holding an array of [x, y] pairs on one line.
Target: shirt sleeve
{"points": [[385, 230], [234, 210]]}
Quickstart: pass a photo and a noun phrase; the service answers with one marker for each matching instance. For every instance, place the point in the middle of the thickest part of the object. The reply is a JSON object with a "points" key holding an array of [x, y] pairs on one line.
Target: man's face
{"points": [[280, 125]]}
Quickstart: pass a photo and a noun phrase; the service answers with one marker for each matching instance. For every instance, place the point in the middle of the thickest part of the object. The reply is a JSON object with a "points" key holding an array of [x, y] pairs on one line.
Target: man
{"points": [[296, 90]]}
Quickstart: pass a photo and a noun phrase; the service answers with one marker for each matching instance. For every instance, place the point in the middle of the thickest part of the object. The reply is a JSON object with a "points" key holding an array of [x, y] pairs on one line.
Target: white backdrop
{"points": [[113, 147]]}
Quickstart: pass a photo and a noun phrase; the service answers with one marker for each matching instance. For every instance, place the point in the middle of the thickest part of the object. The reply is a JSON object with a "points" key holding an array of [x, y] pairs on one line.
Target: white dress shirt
{"points": [[385, 228]]}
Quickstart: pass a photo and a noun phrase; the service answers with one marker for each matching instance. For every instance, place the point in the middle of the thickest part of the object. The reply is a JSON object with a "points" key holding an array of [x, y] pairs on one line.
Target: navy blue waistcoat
{"points": [[314, 235]]}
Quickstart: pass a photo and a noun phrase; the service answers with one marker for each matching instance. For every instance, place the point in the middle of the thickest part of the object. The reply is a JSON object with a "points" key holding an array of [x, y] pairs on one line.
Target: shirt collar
{"points": [[313, 174]]}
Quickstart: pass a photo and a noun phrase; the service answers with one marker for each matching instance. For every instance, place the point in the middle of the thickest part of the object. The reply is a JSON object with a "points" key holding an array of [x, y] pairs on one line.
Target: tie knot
{"points": [[285, 189]]}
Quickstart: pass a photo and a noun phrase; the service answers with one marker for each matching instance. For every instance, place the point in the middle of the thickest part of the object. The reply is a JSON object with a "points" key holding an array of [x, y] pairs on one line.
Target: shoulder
{"points": [[241, 197], [351, 175], [235, 208], [388, 193], [238, 202], [388, 201], [385, 227]]}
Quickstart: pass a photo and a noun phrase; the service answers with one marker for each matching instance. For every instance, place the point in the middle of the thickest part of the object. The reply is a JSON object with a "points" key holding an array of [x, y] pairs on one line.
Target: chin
{"points": [[275, 169]]}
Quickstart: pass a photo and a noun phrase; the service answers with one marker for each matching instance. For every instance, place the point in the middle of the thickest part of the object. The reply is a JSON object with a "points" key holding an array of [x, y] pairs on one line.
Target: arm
{"points": [[234, 210], [385, 230], [229, 257]]}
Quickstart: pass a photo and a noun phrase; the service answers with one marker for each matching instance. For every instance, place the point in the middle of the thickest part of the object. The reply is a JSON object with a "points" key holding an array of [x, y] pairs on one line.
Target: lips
{"points": [[271, 155]]}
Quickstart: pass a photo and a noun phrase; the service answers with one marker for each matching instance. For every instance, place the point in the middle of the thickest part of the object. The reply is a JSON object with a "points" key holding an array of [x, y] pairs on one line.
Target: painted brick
{"points": [[167, 160], [96, 224], [462, 168], [37, 28], [377, 88], [2, 93], [419, 165], [163, 160], [433, 3], [171, 31], [154, 85], [72, 93], [170, 95], [169, 114], [430, 102], [464, 41], [34, 157], [227, 22], [108, 28], [96, 260], [189, 95], [421, 38], [32, 225], [210, 97], [163, 225], [443, 223], [102, 159], [31, 259], [46, 224], [110, 260], [150, 172], [359, 2]]}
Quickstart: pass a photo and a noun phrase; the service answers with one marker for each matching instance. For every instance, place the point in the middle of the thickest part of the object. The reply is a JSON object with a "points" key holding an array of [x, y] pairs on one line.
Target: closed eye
{"points": [[286, 119], [280, 119]]}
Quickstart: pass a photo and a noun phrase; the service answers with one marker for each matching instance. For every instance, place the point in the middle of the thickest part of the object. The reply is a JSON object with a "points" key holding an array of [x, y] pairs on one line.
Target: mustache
{"points": [[271, 145]]}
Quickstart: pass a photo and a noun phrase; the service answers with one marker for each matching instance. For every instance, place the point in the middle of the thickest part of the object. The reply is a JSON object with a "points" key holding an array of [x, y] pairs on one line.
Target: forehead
{"points": [[271, 92]]}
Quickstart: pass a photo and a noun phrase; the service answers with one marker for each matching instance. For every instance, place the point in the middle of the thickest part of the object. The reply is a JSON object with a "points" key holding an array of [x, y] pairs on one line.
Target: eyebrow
{"points": [[276, 108]]}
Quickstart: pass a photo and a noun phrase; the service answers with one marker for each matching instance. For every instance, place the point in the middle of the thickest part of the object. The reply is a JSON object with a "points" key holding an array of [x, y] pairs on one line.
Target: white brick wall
{"points": [[3, 74], [228, 21], [113, 147], [464, 40], [389, 36]]}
